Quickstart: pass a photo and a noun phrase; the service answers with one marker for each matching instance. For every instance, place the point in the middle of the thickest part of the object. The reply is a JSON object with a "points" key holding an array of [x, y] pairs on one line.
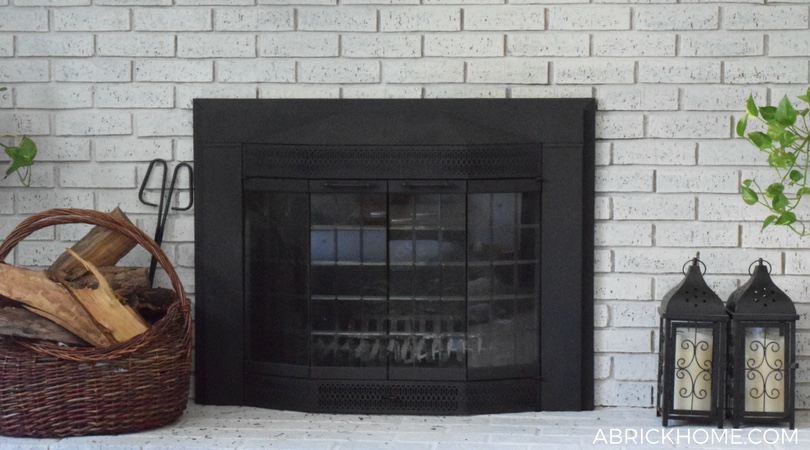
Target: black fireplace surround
{"points": [[395, 256]]}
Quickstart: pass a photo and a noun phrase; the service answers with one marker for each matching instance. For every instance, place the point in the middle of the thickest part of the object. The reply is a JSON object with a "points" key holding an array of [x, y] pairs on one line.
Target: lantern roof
{"points": [[692, 298], [760, 298]]}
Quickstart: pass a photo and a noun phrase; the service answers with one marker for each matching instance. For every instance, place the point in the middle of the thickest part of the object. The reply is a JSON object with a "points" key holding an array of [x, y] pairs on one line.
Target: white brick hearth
{"points": [[104, 86]]}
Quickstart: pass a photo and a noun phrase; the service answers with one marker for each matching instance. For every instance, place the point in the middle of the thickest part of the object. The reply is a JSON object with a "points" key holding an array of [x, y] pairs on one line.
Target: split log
{"points": [[117, 277], [104, 306], [17, 321], [101, 247], [47, 298]]}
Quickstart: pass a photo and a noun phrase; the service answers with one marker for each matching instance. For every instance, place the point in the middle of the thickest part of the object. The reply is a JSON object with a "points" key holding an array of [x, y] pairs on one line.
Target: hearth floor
{"points": [[215, 428]]}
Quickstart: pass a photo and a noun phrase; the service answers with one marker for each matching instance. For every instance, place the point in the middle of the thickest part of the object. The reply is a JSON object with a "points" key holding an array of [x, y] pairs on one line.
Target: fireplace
{"points": [[395, 256]]}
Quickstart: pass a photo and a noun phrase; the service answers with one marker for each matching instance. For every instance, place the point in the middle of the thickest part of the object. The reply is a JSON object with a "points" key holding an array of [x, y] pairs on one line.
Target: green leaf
{"points": [[21, 156], [742, 125], [779, 158], [796, 176], [802, 191], [761, 140], [780, 202], [748, 195], [3, 89], [747, 183], [787, 138], [751, 107], [786, 218], [775, 189], [768, 112], [768, 220], [785, 113], [806, 97]]}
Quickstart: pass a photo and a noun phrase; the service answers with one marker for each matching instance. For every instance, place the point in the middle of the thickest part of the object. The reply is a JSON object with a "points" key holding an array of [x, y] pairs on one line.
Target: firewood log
{"points": [[18, 321]]}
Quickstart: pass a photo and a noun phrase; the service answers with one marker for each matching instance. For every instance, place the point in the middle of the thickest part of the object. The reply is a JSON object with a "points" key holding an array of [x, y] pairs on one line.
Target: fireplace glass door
{"points": [[393, 280]]}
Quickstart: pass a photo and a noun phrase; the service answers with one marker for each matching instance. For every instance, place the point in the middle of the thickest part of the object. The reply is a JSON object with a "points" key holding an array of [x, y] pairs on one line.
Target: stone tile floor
{"points": [[243, 428]]}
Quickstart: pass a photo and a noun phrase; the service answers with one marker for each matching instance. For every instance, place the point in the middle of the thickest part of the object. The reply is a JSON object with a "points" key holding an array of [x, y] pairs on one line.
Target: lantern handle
{"points": [[760, 261], [694, 262]]}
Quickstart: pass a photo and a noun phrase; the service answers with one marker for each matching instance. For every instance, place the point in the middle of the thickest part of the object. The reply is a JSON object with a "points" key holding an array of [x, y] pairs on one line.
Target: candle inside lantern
{"points": [[693, 369], [764, 370]]}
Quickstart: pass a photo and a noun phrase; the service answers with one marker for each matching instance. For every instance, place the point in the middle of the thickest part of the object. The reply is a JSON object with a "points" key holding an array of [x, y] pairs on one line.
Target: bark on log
{"points": [[150, 303], [18, 321], [117, 277], [101, 247]]}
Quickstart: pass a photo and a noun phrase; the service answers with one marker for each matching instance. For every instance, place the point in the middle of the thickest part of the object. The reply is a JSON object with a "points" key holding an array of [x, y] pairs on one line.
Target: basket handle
{"points": [[60, 216]]}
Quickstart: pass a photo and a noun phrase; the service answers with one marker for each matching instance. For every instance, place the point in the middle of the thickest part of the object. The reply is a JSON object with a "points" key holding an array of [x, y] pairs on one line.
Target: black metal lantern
{"points": [[691, 353], [762, 351]]}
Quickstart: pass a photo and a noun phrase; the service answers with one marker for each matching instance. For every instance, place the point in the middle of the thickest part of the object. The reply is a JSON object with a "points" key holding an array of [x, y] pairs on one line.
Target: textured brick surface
{"points": [[105, 86]]}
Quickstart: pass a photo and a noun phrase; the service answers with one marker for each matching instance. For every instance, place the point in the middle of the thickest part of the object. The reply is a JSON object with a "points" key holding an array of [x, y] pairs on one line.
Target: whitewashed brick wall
{"points": [[105, 86]]}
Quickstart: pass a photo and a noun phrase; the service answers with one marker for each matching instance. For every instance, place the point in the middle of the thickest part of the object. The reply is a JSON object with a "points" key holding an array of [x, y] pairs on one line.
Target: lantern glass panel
{"points": [[765, 369], [693, 368]]}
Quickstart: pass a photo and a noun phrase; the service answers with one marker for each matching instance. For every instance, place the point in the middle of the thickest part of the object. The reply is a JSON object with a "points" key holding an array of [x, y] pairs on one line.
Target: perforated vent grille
{"points": [[396, 162], [394, 397]]}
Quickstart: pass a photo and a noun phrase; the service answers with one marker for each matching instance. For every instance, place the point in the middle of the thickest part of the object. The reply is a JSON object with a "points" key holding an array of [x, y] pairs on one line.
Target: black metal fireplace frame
{"points": [[562, 129]]}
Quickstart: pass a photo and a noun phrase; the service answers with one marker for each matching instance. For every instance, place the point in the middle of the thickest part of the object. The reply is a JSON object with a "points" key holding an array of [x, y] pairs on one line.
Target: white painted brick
{"points": [[27, 123], [299, 91], [132, 150], [50, 96], [352, 18], [465, 44], [727, 207], [39, 254], [255, 71], [736, 152], [594, 71], [380, 2], [242, 19], [679, 71], [720, 98], [164, 123], [768, 17], [588, 18], [603, 261], [691, 126], [507, 71], [26, 70], [722, 44], [383, 91], [634, 314], [31, 201], [646, 98], [381, 45], [63, 149], [134, 96], [464, 91], [797, 262], [616, 286], [51, 2], [6, 45], [624, 179], [654, 207], [612, 234], [338, 71], [184, 149], [55, 45], [136, 2], [171, 19], [187, 93], [788, 43], [603, 208], [792, 92], [292, 2], [551, 92], [774, 236], [24, 19], [624, 393], [633, 44], [42, 176], [602, 153], [420, 19], [504, 18], [217, 45], [636, 367], [185, 255], [140, 44], [622, 341], [5, 99], [696, 234], [91, 19], [766, 71], [174, 70], [299, 44], [712, 180], [719, 260], [602, 367], [548, 44], [217, 2], [423, 71], [680, 17], [92, 70], [7, 204], [619, 126], [113, 175], [93, 124]]}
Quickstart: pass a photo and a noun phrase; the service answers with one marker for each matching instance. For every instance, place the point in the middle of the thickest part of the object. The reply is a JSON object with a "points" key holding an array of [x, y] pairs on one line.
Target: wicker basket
{"points": [[52, 390]]}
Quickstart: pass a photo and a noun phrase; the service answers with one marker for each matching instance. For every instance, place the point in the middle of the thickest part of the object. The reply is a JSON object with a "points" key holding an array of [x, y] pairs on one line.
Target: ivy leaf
{"points": [[21, 156], [742, 125], [786, 218], [768, 112], [748, 195], [751, 107], [796, 176], [768, 220], [785, 113], [761, 140]]}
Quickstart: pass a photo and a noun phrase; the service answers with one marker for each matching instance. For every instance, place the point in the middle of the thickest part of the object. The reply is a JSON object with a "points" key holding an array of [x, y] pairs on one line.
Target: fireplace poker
{"points": [[166, 194]]}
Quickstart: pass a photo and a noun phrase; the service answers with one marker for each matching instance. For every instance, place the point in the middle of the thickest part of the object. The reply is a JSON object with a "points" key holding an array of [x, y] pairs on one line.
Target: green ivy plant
{"points": [[22, 156], [786, 142]]}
